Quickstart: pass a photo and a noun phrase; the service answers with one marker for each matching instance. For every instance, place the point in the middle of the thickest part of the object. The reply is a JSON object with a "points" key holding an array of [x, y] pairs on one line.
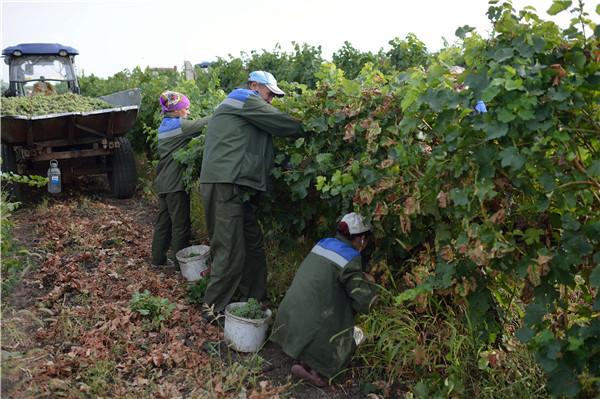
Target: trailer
{"points": [[83, 143]]}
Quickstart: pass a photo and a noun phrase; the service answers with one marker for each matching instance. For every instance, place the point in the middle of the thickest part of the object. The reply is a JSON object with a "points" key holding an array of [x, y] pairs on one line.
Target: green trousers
{"points": [[173, 225], [237, 246]]}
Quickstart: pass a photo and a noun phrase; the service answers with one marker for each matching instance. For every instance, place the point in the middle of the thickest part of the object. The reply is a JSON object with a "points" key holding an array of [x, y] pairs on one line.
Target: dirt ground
{"points": [[128, 222]]}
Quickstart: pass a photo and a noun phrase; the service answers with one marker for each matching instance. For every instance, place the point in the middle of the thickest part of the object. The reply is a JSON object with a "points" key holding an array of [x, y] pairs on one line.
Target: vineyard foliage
{"points": [[496, 213]]}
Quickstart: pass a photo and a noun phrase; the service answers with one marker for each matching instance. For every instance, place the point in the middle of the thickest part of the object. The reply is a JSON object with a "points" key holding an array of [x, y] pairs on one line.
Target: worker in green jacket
{"points": [[238, 157], [173, 223], [315, 320]]}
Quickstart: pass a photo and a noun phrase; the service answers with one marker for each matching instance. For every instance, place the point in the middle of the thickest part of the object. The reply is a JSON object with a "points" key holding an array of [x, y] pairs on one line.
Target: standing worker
{"points": [[238, 157], [315, 321], [173, 223]]}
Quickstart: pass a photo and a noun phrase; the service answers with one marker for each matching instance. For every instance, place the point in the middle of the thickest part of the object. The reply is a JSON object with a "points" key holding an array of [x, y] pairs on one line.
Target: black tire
{"points": [[122, 176], [9, 164]]}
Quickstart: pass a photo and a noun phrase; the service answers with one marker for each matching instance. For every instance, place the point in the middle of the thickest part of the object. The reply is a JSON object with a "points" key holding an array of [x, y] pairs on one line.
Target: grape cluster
{"points": [[44, 105]]}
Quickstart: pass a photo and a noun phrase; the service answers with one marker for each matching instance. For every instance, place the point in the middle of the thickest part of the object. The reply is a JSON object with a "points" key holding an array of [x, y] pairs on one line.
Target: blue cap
{"points": [[268, 80]]}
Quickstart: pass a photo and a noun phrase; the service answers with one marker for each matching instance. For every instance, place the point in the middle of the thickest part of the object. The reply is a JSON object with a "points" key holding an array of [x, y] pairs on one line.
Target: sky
{"points": [[112, 36]]}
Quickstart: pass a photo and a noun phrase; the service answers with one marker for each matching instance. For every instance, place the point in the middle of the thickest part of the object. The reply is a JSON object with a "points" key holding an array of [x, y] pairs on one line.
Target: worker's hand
{"points": [[369, 277]]}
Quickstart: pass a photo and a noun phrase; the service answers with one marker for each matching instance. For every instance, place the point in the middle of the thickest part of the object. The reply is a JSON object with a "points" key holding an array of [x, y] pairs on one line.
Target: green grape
{"points": [[57, 104]]}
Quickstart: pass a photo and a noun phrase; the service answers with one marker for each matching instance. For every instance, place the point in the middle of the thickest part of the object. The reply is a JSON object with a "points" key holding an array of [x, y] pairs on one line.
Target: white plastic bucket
{"points": [[245, 335], [194, 267]]}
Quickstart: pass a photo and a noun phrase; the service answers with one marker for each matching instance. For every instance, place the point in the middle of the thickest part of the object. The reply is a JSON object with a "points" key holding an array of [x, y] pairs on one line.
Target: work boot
{"points": [[311, 376], [168, 264]]}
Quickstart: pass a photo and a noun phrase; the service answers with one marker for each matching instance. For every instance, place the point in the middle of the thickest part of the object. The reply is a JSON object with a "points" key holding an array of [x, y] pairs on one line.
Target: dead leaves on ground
{"points": [[85, 338]]}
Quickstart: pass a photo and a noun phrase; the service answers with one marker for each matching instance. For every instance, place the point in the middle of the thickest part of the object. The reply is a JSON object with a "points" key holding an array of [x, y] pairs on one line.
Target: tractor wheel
{"points": [[9, 164], [122, 176]]}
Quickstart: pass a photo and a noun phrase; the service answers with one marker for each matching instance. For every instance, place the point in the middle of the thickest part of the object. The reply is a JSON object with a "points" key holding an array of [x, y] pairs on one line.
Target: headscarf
{"points": [[172, 101]]}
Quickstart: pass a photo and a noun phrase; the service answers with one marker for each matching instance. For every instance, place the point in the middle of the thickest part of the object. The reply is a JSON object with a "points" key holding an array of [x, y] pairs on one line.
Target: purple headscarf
{"points": [[172, 101]]}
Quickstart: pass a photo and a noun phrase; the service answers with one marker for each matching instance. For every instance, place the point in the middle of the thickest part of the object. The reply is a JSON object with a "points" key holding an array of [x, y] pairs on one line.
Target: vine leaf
{"points": [[559, 6]]}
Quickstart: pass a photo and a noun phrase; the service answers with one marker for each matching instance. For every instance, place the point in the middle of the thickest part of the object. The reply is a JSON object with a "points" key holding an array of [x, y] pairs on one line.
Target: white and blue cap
{"points": [[268, 80]]}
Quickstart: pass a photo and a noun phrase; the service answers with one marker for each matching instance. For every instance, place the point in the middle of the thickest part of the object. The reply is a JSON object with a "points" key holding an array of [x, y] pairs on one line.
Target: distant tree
{"points": [[3, 86], [304, 63], [351, 60], [407, 53]]}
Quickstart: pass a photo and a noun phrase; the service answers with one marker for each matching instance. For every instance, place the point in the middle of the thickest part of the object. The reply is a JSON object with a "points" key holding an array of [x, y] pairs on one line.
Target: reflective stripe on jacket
{"points": [[173, 134], [239, 144], [315, 320]]}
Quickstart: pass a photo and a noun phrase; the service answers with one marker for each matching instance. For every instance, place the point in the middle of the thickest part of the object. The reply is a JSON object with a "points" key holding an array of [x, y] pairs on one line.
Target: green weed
{"points": [[282, 267], [154, 309], [43, 204], [85, 203], [436, 354], [196, 290], [229, 373], [146, 174], [15, 258], [98, 375], [196, 209]]}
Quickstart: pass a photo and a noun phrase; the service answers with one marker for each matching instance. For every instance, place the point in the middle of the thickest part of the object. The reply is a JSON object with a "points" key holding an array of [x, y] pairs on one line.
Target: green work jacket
{"points": [[239, 144], [174, 133], [315, 321]]}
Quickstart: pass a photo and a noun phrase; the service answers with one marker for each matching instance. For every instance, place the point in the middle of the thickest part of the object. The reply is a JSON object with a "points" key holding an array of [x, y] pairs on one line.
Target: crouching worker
{"points": [[315, 321], [173, 223]]}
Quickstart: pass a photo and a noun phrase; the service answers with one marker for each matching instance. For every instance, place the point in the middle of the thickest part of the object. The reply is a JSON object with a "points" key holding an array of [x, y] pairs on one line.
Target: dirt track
{"points": [[68, 330]]}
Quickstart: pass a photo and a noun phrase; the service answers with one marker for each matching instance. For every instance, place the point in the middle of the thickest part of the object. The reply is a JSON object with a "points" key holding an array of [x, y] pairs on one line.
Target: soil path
{"points": [[68, 329]]}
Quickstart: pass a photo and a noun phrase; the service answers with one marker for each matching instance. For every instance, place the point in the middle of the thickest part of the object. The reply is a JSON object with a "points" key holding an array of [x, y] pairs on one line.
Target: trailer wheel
{"points": [[9, 164], [121, 173]]}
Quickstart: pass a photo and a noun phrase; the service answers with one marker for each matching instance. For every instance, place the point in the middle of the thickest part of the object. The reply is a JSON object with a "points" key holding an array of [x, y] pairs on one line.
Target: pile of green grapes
{"points": [[56, 104]]}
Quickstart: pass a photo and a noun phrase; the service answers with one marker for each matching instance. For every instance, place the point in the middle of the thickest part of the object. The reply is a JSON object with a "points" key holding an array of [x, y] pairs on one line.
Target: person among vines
{"points": [[238, 157], [315, 320], [173, 223]]}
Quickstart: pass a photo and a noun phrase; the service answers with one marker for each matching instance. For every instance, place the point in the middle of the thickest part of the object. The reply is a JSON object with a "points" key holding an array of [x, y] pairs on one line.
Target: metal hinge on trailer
{"points": [[41, 153]]}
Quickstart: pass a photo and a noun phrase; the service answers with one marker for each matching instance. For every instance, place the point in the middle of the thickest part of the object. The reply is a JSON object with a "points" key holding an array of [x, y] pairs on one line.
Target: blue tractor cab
{"points": [[50, 63]]}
